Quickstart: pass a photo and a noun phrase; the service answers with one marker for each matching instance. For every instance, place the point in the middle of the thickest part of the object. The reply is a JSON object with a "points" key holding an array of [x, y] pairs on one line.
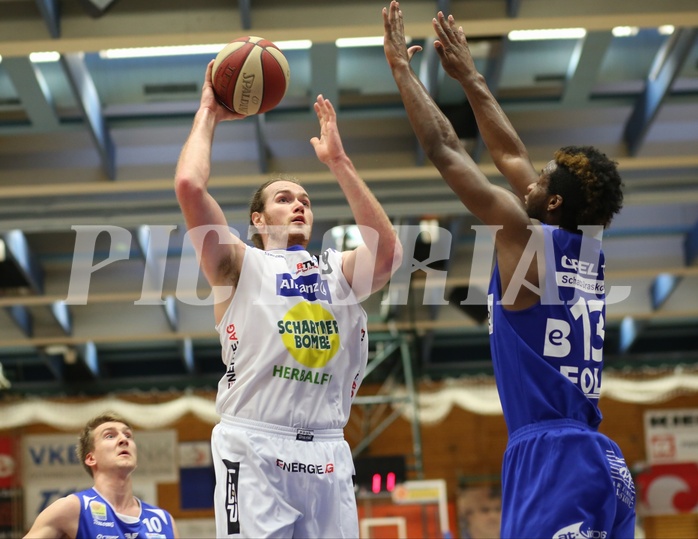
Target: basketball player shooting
{"points": [[293, 337], [561, 477]]}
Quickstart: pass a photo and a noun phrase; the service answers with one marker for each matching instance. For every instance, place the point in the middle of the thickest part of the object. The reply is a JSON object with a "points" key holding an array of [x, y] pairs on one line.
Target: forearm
{"points": [[366, 210], [194, 163], [432, 128], [503, 142]]}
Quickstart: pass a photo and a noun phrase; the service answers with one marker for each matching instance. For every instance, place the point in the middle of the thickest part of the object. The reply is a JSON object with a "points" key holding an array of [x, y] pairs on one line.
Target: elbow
{"points": [[388, 264], [397, 255], [187, 188], [440, 149]]}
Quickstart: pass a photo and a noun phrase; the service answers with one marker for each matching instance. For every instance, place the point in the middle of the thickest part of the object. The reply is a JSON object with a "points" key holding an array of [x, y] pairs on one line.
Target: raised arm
{"points": [[507, 151], [220, 257], [382, 251], [491, 204], [58, 520]]}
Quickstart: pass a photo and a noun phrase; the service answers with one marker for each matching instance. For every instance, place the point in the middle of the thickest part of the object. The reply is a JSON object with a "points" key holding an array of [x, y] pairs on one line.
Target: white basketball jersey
{"points": [[293, 340]]}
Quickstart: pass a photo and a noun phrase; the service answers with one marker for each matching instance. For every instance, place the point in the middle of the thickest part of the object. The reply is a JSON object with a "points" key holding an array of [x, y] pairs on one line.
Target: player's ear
{"points": [[555, 202], [257, 219], [90, 459]]}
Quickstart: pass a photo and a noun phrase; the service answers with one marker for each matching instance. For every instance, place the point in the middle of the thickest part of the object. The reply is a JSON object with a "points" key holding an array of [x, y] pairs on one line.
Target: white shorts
{"points": [[274, 481]]}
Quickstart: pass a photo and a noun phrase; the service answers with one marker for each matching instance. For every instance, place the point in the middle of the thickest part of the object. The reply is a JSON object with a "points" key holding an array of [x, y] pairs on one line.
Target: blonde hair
{"points": [[86, 440]]}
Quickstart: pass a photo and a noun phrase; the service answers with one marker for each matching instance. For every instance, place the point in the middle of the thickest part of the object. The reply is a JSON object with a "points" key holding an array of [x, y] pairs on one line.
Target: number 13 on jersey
{"points": [[589, 314]]}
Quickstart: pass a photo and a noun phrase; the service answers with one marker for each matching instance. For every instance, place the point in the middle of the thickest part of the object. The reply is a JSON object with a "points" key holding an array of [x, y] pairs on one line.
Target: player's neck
{"points": [[117, 489], [291, 244]]}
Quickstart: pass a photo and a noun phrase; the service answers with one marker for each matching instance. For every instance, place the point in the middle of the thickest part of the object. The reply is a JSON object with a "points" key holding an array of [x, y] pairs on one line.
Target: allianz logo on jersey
{"points": [[311, 287], [574, 531]]}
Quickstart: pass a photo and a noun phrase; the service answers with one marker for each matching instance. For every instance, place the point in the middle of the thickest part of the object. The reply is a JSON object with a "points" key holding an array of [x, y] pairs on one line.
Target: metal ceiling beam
{"points": [[90, 358], [186, 348], [690, 245], [262, 143], [323, 72], [55, 363], [153, 242], [96, 8], [23, 319], [245, 14], [50, 11], [17, 255], [170, 307], [667, 65], [629, 331], [584, 67], [86, 95], [35, 97], [661, 288], [62, 316], [321, 23], [513, 8]]}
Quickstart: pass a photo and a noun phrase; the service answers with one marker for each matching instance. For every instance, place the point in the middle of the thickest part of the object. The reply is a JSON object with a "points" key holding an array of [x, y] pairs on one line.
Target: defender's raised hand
{"points": [[394, 43], [452, 48]]}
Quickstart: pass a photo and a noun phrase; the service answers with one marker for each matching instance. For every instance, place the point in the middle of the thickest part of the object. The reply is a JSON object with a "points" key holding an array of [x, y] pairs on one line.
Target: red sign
{"points": [[8, 463], [668, 489]]}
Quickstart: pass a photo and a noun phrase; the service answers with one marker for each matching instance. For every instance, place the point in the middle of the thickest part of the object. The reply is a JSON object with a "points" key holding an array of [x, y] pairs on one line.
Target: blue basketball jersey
{"points": [[560, 477], [548, 358], [98, 519]]}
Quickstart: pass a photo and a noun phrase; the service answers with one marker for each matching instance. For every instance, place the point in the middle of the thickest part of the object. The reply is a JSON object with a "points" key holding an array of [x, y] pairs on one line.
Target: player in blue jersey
{"points": [[561, 478], [293, 338], [109, 509]]}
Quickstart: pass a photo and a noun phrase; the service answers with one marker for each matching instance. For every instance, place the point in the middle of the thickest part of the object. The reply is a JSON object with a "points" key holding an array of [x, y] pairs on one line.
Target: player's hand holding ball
{"points": [[250, 75]]}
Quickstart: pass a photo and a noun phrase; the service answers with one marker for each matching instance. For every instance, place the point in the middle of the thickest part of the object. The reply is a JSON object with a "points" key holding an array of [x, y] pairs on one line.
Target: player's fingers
{"points": [[329, 106], [452, 24], [209, 72], [413, 50], [438, 28], [439, 49], [445, 23], [395, 13], [461, 35]]}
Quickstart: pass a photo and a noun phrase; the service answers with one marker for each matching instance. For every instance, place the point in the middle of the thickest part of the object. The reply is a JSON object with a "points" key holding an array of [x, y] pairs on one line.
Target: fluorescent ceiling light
{"points": [[373, 41], [150, 52], [44, 57], [549, 33], [347, 42], [625, 31], [666, 29], [295, 45], [183, 50]]}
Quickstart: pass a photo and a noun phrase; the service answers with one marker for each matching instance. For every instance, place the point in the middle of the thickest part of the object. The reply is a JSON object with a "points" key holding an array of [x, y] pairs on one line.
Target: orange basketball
{"points": [[250, 75]]}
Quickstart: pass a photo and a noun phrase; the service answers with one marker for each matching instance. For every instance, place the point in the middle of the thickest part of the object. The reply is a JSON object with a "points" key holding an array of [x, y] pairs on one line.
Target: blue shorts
{"points": [[562, 479]]}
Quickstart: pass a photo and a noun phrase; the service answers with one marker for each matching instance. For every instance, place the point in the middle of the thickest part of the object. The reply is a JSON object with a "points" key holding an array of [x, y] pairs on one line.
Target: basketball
{"points": [[250, 75]]}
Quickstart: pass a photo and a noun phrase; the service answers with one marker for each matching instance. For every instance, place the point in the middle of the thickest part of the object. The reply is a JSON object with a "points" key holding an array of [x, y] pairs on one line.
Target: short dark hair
{"points": [[590, 186], [259, 201], [86, 440]]}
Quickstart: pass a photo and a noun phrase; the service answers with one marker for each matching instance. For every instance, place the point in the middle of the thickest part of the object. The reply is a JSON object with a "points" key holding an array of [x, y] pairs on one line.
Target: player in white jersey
{"points": [[108, 452], [293, 337]]}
